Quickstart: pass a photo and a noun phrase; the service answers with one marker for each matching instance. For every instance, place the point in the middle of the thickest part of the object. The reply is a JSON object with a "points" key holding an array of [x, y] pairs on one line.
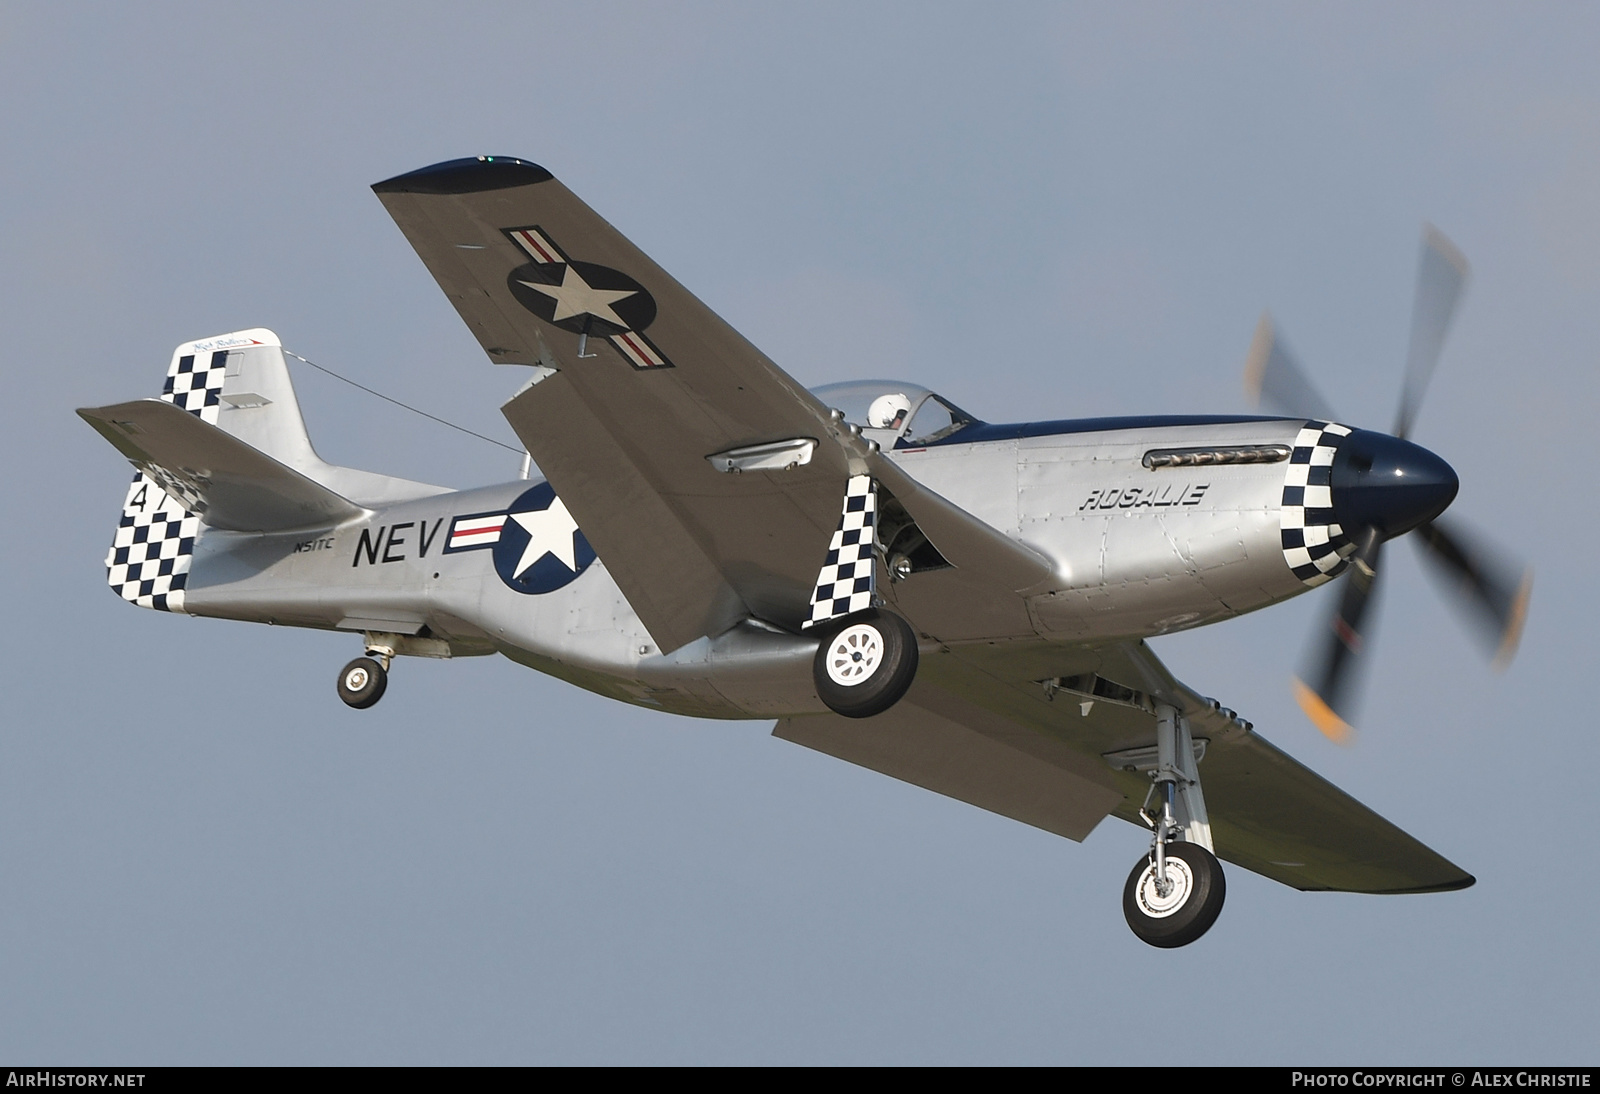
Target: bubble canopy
{"points": [[930, 418]]}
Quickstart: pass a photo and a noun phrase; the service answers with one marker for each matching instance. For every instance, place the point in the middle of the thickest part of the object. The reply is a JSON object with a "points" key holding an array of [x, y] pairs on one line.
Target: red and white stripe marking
{"points": [[476, 531], [538, 247], [637, 350]]}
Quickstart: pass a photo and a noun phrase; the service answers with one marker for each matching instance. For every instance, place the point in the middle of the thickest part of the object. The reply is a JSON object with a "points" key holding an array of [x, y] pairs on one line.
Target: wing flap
{"points": [[668, 576], [935, 740], [229, 484]]}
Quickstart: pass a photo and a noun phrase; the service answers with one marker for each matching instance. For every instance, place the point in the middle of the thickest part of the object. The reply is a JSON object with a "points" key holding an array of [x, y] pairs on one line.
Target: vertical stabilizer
{"points": [[256, 400], [256, 403]]}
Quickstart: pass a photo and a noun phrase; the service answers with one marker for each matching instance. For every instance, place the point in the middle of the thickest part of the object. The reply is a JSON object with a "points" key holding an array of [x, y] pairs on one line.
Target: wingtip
{"points": [[1512, 637], [465, 176], [1333, 727]]}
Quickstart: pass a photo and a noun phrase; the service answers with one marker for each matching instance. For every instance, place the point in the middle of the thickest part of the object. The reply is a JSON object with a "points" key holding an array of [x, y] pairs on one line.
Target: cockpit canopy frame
{"points": [[931, 417]]}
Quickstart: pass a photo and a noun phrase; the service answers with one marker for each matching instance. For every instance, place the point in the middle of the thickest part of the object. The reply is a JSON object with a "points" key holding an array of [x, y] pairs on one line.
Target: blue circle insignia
{"points": [[540, 547]]}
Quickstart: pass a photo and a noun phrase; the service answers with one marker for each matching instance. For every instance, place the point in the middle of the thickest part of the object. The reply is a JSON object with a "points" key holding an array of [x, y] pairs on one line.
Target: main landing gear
{"points": [[1174, 895], [363, 681], [865, 663]]}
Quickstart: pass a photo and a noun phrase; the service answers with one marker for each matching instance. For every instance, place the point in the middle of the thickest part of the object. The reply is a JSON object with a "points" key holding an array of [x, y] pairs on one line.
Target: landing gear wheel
{"points": [[362, 682], [865, 663], [1189, 906]]}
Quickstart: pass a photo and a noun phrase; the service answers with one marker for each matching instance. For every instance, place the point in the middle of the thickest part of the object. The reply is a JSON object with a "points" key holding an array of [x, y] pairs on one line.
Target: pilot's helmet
{"points": [[888, 411]]}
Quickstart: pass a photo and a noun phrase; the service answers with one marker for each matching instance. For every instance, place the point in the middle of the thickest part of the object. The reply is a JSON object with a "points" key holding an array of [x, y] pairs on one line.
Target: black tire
{"points": [[865, 663], [1198, 905], [362, 683]]}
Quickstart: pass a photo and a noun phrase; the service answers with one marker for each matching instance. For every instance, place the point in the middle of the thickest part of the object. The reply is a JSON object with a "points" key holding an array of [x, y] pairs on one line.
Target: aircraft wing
{"points": [[980, 728], [637, 385]]}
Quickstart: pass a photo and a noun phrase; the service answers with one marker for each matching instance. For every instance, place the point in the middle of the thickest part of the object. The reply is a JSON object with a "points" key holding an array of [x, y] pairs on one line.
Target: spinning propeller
{"points": [[1383, 486]]}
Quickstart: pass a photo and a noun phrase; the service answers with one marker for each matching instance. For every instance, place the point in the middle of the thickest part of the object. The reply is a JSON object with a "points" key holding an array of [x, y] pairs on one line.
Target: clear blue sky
{"points": [[1040, 210]]}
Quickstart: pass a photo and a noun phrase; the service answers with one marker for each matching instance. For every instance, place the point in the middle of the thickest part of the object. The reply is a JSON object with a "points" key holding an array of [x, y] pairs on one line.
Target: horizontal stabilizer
{"points": [[227, 483]]}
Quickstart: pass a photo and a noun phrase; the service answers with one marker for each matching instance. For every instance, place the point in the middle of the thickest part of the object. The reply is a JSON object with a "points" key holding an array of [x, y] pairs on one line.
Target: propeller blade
{"points": [[1441, 277], [1329, 701], [1272, 376], [1489, 586]]}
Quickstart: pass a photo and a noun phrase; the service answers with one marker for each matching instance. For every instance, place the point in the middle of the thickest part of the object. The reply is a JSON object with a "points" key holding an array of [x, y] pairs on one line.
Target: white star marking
{"points": [[549, 533], [575, 296]]}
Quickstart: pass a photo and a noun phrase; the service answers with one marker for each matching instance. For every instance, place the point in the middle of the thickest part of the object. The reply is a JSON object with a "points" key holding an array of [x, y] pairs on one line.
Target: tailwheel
{"points": [[1177, 908], [362, 682], [865, 663]]}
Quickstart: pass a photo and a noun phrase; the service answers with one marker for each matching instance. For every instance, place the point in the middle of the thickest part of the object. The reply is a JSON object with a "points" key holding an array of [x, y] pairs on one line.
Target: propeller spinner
{"points": [[1384, 486]]}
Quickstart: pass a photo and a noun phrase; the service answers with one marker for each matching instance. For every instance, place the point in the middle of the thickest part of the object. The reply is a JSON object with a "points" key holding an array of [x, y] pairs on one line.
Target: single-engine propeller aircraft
{"points": [[954, 603]]}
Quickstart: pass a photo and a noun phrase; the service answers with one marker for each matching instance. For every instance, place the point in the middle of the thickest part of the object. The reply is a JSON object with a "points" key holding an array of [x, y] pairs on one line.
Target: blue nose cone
{"points": [[1383, 482]]}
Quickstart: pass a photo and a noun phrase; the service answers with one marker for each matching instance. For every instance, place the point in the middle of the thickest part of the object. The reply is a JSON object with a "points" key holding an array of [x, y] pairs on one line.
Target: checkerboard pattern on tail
{"points": [[197, 388], [149, 560], [847, 583], [148, 563], [1314, 545]]}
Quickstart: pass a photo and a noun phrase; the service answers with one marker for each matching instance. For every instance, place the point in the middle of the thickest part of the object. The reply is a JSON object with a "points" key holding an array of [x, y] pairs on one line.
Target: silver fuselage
{"points": [[1136, 552]]}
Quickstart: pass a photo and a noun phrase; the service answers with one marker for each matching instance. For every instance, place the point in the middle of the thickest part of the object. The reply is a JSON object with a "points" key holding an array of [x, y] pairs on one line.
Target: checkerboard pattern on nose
{"points": [[1314, 545], [847, 581], [148, 563]]}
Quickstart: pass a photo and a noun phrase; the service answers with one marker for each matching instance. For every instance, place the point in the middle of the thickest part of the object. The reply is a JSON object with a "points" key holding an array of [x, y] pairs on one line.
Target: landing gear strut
{"points": [[362, 682], [1174, 895]]}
